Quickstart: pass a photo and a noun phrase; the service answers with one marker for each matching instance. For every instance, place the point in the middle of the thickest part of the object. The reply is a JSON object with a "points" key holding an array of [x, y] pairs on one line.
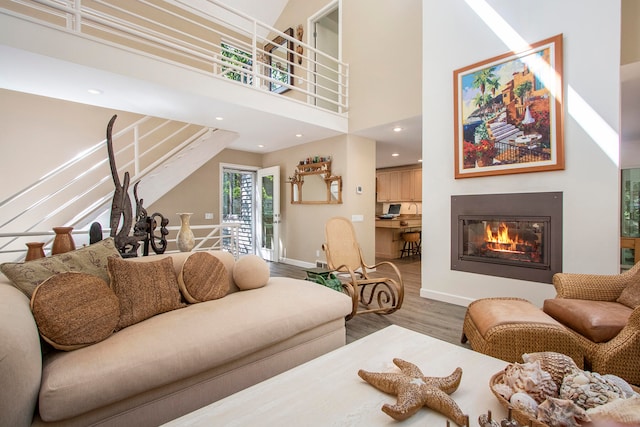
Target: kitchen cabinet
{"points": [[399, 185]]}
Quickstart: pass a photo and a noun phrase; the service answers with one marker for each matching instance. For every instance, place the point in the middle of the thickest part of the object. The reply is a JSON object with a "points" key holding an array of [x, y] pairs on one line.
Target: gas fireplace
{"points": [[508, 235]]}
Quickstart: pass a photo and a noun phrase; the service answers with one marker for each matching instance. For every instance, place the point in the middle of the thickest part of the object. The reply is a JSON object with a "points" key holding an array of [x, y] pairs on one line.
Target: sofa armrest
{"points": [[20, 358], [595, 287]]}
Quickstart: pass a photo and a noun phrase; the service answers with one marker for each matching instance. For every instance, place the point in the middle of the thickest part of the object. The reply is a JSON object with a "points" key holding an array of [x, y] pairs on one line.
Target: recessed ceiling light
{"points": [[395, 154], [298, 135], [419, 160], [219, 118], [397, 129], [260, 146], [95, 91]]}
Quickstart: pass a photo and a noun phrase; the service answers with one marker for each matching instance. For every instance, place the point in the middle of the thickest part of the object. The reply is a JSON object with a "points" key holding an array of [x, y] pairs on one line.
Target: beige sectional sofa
{"points": [[169, 364]]}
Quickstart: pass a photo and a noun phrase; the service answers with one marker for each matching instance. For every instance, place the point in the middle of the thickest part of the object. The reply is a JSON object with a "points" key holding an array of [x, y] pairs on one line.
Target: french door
{"points": [[268, 213]]}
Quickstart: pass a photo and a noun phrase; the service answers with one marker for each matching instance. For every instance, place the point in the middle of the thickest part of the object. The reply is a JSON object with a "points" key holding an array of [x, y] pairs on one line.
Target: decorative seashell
{"points": [[589, 389], [622, 411], [503, 390], [525, 403], [561, 413], [531, 379], [556, 364], [485, 420], [625, 387]]}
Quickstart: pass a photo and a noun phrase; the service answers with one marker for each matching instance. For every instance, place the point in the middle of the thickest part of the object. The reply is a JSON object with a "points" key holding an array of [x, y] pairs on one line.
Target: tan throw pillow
{"points": [[203, 278], [144, 289], [90, 259], [74, 310], [630, 296], [250, 272]]}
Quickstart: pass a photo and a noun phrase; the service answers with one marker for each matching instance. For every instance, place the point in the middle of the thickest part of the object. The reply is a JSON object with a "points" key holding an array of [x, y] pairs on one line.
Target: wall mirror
{"points": [[313, 183], [315, 189], [280, 61]]}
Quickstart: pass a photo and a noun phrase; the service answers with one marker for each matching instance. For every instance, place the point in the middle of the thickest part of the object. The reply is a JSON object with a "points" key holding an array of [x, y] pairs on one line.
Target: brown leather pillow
{"points": [[73, 310], [599, 321], [630, 296], [144, 289], [203, 278]]}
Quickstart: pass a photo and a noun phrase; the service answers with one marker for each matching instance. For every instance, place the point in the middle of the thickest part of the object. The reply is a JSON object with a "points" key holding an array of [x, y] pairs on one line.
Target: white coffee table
{"points": [[327, 391]]}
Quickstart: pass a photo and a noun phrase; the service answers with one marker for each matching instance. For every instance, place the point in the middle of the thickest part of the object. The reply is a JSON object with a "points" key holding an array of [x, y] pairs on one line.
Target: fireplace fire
{"points": [[511, 241], [508, 235]]}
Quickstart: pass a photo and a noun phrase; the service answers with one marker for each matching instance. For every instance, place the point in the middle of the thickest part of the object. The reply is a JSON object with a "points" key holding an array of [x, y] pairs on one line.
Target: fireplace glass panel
{"points": [[511, 241]]}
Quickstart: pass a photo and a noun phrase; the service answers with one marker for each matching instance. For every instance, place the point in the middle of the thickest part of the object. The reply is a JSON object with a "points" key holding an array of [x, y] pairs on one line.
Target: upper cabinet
{"points": [[403, 185]]}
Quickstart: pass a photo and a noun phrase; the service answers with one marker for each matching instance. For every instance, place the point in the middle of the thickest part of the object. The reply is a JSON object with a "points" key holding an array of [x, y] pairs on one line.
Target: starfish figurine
{"points": [[414, 391]]}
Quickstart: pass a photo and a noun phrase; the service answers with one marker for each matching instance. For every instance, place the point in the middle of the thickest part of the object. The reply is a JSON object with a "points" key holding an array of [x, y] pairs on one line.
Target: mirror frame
{"points": [[277, 43], [296, 187]]}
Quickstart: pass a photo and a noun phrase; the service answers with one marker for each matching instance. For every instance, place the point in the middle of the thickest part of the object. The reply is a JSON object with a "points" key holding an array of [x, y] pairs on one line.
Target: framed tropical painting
{"points": [[509, 113]]}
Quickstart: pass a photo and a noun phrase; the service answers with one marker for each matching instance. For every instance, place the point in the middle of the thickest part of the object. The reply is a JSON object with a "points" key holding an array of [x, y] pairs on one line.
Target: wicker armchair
{"points": [[620, 355]]}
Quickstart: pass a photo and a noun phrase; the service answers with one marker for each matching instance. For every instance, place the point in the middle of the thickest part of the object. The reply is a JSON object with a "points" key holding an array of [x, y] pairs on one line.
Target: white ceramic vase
{"points": [[185, 239]]}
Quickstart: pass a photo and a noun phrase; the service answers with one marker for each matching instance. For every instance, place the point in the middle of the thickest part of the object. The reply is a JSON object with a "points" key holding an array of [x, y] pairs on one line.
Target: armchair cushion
{"points": [[599, 321], [630, 296]]}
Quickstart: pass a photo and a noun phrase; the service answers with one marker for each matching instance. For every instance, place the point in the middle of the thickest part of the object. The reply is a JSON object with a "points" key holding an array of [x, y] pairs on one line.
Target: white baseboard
{"points": [[297, 263], [444, 297]]}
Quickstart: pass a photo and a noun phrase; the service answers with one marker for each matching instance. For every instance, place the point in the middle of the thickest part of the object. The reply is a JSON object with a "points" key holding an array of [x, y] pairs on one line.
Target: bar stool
{"points": [[411, 243]]}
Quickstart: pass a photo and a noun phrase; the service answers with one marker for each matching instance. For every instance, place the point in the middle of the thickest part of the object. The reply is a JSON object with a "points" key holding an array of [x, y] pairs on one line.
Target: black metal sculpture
{"points": [[145, 226]]}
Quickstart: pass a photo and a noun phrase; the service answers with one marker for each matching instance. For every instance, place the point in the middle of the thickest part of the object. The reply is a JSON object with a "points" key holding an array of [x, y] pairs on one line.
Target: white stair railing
{"points": [[83, 185]]}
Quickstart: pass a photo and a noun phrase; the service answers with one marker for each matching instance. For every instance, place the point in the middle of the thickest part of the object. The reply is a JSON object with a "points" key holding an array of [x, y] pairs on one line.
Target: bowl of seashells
{"points": [[549, 389]]}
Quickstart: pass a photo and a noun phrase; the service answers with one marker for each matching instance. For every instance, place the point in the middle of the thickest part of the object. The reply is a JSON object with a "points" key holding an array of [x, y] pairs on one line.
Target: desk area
{"points": [[389, 232]]}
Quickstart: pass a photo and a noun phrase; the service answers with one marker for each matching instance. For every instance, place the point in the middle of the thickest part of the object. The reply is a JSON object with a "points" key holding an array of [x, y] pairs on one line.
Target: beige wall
{"points": [[302, 228], [200, 193], [39, 134], [385, 61], [630, 46]]}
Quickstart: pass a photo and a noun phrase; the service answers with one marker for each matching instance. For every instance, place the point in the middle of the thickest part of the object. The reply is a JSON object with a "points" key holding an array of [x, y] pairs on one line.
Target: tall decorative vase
{"points": [[34, 251], [185, 239], [63, 242]]}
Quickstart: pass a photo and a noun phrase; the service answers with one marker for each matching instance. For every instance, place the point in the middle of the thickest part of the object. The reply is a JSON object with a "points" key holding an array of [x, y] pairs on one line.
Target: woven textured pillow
{"points": [[630, 296], [144, 289], [74, 310], [90, 259], [250, 272], [203, 278]]}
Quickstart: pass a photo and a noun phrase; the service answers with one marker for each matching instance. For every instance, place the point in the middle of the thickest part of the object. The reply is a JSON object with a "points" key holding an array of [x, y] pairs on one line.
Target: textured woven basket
{"points": [[516, 414]]}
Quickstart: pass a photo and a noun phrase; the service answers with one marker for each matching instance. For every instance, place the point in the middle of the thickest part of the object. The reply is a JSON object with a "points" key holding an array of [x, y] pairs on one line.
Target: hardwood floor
{"points": [[437, 319]]}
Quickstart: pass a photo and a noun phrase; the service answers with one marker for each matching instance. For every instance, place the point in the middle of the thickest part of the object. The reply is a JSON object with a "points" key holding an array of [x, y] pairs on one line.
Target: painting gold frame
{"points": [[508, 112]]}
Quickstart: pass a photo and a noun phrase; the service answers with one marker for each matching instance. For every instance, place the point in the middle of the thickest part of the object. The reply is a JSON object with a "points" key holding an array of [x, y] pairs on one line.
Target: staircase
{"points": [[159, 153]]}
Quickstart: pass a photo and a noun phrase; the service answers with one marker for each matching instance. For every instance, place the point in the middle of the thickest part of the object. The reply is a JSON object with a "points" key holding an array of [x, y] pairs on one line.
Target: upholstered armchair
{"points": [[603, 312]]}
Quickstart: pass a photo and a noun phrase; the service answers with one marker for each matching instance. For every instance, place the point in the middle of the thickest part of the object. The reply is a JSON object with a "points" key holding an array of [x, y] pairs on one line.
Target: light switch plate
{"points": [[357, 218]]}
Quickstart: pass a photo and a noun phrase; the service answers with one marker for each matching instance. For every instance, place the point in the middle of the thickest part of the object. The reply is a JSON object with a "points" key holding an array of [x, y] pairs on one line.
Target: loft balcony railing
{"points": [[211, 38]]}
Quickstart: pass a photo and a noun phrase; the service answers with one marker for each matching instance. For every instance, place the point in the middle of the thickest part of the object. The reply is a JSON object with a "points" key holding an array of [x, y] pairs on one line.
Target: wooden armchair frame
{"points": [[382, 295]]}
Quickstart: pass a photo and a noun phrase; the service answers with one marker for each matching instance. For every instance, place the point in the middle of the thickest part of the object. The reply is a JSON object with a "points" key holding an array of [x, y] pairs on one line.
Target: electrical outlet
{"points": [[357, 218], [318, 252], [208, 215]]}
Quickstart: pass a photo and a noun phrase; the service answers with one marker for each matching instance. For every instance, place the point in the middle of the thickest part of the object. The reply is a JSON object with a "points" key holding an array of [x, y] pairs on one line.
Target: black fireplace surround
{"points": [[517, 235]]}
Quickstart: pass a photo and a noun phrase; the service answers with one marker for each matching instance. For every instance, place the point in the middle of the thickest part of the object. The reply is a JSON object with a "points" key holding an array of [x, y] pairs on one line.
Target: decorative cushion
{"points": [[250, 272], [630, 296], [144, 289], [203, 277], [599, 321], [90, 259], [73, 310]]}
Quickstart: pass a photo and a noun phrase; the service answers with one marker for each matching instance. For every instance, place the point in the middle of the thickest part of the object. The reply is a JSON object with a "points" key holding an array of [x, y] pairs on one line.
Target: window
{"points": [[240, 63]]}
